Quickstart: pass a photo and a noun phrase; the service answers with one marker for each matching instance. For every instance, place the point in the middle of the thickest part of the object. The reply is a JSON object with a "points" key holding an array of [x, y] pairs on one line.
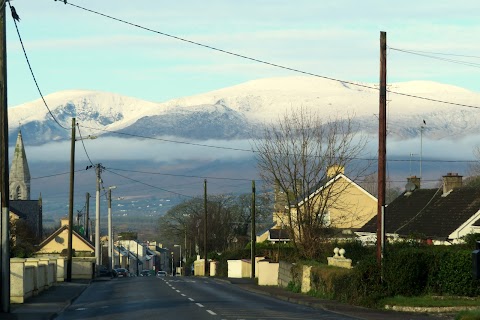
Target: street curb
{"points": [[69, 302], [431, 309]]}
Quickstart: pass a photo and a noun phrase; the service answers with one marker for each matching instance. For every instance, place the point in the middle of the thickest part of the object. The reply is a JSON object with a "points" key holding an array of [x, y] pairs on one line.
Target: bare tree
{"points": [[474, 170], [294, 154], [229, 218], [370, 184]]}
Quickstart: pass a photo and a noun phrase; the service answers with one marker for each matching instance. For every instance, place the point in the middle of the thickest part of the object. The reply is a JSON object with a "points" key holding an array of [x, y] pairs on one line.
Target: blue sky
{"points": [[70, 48]]}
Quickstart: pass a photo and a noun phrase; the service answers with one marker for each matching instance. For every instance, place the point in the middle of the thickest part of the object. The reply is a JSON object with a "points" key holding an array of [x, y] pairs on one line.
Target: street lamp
{"points": [[110, 238], [70, 209], [180, 246]]}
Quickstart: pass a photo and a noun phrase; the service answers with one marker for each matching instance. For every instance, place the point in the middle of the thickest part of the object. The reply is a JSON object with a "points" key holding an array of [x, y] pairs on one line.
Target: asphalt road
{"points": [[182, 298]]}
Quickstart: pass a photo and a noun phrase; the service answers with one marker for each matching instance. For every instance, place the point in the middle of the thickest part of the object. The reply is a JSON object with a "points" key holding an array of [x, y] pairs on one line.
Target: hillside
{"points": [[232, 113]]}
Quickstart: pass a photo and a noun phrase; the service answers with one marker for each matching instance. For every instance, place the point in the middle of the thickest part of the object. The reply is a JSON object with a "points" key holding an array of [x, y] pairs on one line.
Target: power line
{"points": [[262, 61], [438, 53], [169, 140], [470, 64], [184, 176], [31, 72], [155, 187], [83, 144], [55, 175]]}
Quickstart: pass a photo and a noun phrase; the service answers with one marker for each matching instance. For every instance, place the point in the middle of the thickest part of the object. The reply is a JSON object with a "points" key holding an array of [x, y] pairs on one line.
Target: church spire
{"points": [[19, 173]]}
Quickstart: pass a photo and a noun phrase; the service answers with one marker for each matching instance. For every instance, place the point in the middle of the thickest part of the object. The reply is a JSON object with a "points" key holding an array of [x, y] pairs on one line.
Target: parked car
{"points": [[145, 273], [121, 272], [161, 274], [104, 272]]}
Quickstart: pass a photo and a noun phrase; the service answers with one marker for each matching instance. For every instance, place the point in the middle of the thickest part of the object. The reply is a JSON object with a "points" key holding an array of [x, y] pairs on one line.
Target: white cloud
{"points": [[108, 148]]}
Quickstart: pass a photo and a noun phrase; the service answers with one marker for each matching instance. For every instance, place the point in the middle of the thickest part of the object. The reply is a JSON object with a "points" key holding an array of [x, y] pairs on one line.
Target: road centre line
{"points": [[211, 312], [182, 294], [178, 291], [199, 304], [191, 299]]}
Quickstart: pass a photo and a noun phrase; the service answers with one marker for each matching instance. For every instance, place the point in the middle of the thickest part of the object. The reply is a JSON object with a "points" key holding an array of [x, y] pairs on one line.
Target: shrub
{"points": [[405, 271], [362, 286]]}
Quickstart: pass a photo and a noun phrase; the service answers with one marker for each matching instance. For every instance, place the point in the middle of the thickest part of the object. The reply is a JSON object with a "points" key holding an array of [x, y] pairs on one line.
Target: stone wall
{"points": [[284, 273]]}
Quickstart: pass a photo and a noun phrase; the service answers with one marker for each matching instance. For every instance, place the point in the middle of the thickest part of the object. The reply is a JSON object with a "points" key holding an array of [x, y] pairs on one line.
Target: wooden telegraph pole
{"points": [[205, 226], [70, 206], [253, 233], [382, 148], [4, 179]]}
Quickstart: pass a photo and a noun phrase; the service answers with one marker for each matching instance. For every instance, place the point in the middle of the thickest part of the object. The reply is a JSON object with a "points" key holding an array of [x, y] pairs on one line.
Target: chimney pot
{"points": [[451, 181]]}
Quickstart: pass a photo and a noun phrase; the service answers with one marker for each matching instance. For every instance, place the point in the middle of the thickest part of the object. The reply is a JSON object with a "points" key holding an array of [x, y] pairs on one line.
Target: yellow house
{"points": [[57, 243], [342, 204]]}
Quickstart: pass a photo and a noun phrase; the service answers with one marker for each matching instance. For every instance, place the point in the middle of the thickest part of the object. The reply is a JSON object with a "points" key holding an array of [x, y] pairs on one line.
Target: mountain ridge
{"points": [[237, 112]]}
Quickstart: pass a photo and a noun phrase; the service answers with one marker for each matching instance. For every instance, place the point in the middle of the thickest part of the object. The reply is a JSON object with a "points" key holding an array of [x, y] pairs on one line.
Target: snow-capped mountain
{"points": [[236, 112]]}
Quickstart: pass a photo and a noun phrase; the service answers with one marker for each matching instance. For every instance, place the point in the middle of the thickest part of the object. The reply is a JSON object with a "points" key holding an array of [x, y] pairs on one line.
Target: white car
{"points": [[161, 274]]}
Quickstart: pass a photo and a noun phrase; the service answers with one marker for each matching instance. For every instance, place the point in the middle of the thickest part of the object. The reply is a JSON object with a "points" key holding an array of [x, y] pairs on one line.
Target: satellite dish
{"points": [[410, 186]]}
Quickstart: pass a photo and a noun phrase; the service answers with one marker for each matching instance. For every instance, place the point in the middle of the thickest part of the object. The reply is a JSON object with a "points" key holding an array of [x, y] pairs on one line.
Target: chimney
{"points": [[415, 180], [64, 221], [334, 170], [451, 181]]}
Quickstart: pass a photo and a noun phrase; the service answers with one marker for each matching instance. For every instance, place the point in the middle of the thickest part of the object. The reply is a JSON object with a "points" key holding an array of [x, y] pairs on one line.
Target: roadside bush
{"points": [[323, 279], [361, 286], [406, 270], [452, 274]]}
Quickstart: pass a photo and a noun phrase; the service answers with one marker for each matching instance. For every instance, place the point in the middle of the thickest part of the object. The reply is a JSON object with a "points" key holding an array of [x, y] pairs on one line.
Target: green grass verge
{"points": [[430, 301], [468, 315]]}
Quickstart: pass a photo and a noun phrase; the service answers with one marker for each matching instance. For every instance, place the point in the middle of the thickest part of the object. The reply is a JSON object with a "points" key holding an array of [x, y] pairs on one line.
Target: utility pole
{"points": [[253, 232], [110, 233], [70, 205], [382, 148], [4, 183], [98, 247], [110, 244], [205, 225], [87, 216]]}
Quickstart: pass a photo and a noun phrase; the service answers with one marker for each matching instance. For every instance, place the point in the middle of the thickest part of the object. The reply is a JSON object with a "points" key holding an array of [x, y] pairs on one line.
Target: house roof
{"points": [[428, 212], [30, 211], [262, 231], [278, 235], [327, 182], [24, 208], [59, 231]]}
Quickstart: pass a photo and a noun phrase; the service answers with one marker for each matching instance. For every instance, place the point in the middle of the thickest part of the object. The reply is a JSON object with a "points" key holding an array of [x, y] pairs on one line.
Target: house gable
{"points": [[58, 241], [352, 208]]}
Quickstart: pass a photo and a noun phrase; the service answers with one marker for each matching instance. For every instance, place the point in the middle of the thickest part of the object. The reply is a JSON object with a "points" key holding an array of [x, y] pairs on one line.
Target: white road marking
{"points": [[199, 304], [191, 299], [183, 295], [178, 291], [211, 312], [173, 288], [80, 309]]}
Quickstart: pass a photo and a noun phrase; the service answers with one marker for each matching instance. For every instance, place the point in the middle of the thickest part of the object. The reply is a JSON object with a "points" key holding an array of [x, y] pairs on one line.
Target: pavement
{"points": [[48, 304], [51, 302]]}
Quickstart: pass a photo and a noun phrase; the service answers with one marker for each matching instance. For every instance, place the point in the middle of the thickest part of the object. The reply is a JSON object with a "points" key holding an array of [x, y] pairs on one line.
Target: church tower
{"points": [[19, 173]]}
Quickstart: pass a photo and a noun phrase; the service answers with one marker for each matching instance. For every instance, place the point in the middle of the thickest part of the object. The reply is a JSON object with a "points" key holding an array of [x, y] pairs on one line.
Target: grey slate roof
{"points": [[31, 212], [426, 212]]}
